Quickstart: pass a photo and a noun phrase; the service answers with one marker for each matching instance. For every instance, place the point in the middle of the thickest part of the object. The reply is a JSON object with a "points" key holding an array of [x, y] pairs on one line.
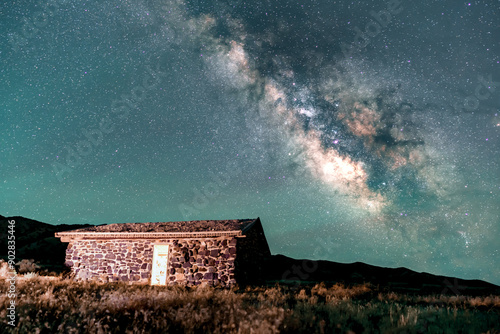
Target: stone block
{"points": [[209, 276], [214, 252]]}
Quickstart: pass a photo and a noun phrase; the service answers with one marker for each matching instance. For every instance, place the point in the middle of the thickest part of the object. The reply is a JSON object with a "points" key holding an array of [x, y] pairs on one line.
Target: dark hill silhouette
{"points": [[36, 240], [288, 271]]}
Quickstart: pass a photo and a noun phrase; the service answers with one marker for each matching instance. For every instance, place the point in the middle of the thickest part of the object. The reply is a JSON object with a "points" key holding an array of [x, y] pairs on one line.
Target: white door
{"points": [[160, 259]]}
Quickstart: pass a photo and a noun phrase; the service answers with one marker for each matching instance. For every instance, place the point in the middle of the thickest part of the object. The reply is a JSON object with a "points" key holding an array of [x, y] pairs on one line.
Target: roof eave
{"points": [[70, 236]]}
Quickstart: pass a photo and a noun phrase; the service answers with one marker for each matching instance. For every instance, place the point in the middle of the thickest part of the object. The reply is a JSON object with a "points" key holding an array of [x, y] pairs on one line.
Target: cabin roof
{"points": [[182, 229]]}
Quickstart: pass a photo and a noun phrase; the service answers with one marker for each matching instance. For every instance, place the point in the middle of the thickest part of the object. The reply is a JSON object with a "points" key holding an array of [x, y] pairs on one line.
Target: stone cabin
{"points": [[212, 252]]}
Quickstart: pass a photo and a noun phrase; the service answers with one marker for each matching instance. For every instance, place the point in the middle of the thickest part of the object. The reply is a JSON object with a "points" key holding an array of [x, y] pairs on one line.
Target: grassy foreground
{"points": [[63, 306]]}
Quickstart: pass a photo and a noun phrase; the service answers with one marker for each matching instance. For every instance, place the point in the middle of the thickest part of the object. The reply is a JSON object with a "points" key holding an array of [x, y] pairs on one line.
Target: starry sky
{"points": [[356, 130]]}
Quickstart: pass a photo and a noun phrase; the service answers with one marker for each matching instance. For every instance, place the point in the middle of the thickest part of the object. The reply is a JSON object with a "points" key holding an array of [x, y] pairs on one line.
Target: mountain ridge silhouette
{"points": [[36, 240]]}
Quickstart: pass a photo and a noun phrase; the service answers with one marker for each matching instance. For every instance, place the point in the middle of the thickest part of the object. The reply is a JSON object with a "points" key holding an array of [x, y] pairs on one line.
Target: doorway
{"points": [[160, 260]]}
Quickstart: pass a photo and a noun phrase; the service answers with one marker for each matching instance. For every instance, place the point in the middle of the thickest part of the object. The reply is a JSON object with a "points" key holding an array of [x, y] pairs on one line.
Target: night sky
{"points": [[356, 130]]}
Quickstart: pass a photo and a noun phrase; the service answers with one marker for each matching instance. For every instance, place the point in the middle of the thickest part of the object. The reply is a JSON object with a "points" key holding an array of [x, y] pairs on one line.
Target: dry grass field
{"points": [[56, 305]]}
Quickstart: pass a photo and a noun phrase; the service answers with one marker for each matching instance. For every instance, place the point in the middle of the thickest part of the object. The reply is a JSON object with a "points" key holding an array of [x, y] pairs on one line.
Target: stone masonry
{"points": [[191, 261]]}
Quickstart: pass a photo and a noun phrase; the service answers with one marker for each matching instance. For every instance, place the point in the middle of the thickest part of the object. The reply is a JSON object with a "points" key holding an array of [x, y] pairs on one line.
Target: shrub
{"points": [[5, 272], [26, 266], [30, 275]]}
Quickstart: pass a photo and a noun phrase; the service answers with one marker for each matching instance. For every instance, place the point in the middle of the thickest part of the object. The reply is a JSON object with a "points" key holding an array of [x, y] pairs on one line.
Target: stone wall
{"points": [[191, 261]]}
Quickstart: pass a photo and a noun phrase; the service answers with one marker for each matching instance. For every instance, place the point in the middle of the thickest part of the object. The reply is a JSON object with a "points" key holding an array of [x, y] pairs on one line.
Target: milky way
{"points": [[356, 131]]}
